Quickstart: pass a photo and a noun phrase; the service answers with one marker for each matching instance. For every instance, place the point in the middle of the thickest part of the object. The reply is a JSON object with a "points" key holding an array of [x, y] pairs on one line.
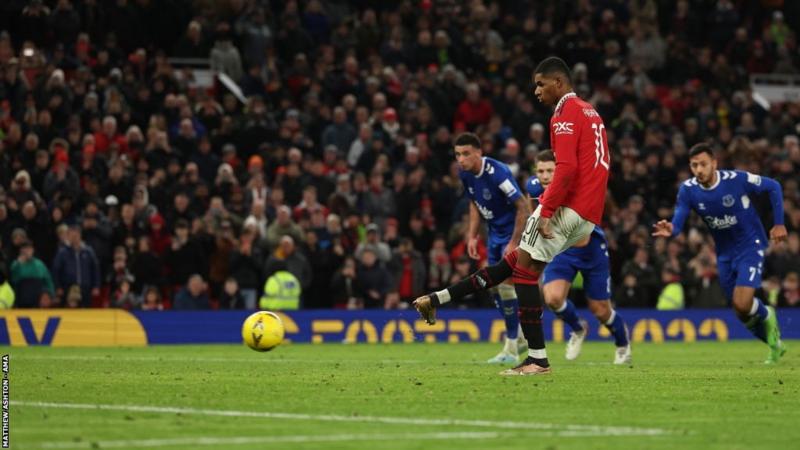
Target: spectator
{"points": [[76, 269], [408, 268], [151, 299], [374, 244], [193, 296], [29, 278], [123, 297], [374, 280], [286, 257], [339, 133], [247, 260], [232, 297], [283, 226]]}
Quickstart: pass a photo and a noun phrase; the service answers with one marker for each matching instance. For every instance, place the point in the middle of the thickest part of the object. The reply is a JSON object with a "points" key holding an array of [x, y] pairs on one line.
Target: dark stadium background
{"points": [[334, 124]]}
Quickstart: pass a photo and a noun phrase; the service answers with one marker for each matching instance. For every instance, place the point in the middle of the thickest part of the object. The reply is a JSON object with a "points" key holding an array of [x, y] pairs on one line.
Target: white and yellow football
{"points": [[262, 331]]}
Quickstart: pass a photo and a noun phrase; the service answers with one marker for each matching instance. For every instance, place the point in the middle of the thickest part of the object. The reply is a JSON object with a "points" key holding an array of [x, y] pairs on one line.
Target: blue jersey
{"points": [[494, 191], [727, 210]]}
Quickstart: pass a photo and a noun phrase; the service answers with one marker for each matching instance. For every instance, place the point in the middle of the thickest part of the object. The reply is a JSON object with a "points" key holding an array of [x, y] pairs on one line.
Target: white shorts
{"points": [[567, 227]]}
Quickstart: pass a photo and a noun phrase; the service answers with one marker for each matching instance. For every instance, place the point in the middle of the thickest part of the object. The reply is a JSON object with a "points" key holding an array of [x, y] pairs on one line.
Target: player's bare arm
{"points": [[523, 212], [472, 231]]}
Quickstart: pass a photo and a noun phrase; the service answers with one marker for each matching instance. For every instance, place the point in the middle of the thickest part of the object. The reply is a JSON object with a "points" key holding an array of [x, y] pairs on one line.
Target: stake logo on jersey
{"points": [[726, 208], [493, 190]]}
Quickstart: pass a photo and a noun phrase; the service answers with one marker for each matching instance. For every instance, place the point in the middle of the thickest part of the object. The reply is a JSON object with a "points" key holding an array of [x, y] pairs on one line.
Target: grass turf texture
{"points": [[700, 395]]}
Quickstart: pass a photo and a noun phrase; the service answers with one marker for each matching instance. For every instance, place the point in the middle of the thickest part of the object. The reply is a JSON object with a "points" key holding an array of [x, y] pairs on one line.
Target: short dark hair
{"points": [[546, 155], [470, 139], [701, 148], [552, 65]]}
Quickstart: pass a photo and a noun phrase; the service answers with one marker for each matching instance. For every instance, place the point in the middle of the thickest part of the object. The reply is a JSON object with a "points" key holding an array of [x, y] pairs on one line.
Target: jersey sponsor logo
{"points": [[487, 195], [590, 112], [563, 128], [508, 188], [485, 212], [721, 223], [754, 179], [728, 201]]}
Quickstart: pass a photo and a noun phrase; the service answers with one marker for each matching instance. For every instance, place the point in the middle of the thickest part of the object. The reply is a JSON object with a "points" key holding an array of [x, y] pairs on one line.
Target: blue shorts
{"points": [[591, 261], [743, 270], [495, 248]]}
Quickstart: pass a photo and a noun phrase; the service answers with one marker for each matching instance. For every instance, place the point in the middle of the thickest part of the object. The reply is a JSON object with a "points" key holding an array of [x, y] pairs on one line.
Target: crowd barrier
{"points": [[110, 327]]}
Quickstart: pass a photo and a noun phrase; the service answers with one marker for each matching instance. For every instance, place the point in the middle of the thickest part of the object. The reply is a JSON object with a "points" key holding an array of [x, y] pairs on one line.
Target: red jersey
{"points": [[579, 142]]}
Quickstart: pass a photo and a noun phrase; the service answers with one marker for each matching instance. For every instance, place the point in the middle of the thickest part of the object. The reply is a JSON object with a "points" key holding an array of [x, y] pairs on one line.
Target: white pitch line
{"points": [[255, 359], [598, 430], [249, 440]]}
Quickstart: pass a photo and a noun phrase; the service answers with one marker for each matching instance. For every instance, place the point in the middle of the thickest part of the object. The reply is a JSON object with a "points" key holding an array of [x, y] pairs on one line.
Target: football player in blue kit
{"points": [[495, 196], [722, 199], [590, 258]]}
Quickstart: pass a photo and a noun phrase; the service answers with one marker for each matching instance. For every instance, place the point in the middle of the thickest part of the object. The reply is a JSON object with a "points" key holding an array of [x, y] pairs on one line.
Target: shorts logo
{"points": [[563, 128], [728, 201]]}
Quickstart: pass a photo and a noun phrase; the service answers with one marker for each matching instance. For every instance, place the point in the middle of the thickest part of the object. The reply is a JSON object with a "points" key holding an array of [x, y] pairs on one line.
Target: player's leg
{"points": [[596, 273], [526, 278], [760, 319], [480, 280], [505, 300], [557, 278], [615, 324], [534, 253]]}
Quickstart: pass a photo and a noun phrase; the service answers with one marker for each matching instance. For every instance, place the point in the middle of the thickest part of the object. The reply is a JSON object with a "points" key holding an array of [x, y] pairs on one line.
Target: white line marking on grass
{"points": [[249, 440], [256, 359], [566, 430]]}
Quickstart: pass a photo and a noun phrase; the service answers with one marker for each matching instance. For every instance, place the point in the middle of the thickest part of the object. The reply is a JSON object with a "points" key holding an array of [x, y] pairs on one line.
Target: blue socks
{"points": [[755, 321], [509, 309], [569, 316], [616, 325]]}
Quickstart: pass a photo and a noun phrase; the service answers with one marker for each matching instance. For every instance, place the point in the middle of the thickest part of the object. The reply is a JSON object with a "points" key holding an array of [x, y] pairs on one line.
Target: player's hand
{"points": [[777, 233], [510, 247], [544, 228], [425, 309], [472, 248], [662, 228]]}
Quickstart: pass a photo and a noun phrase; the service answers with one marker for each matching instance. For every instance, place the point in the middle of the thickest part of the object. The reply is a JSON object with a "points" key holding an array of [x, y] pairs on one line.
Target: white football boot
{"points": [[575, 342]]}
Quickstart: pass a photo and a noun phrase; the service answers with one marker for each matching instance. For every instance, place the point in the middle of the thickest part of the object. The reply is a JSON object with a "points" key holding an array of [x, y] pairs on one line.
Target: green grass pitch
{"points": [[690, 396]]}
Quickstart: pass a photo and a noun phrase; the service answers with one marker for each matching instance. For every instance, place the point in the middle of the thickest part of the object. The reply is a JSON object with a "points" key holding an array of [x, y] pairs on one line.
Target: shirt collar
{"points": [[710, 188], [483, 166], [563, 99]]}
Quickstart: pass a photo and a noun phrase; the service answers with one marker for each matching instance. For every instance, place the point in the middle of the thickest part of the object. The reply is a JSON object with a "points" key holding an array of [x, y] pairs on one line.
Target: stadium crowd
{"points": [[126, 183]]}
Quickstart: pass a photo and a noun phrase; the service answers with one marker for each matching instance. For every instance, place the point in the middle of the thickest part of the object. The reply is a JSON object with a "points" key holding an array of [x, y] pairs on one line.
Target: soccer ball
{"points": [[263, 331]]}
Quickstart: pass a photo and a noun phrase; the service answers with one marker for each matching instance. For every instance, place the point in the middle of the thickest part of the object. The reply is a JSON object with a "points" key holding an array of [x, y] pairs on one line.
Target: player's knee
{"points": [[552, 299]]}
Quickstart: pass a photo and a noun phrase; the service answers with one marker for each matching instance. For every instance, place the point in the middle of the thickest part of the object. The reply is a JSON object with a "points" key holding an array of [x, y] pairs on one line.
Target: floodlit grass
{"points": [[702, 395]]}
